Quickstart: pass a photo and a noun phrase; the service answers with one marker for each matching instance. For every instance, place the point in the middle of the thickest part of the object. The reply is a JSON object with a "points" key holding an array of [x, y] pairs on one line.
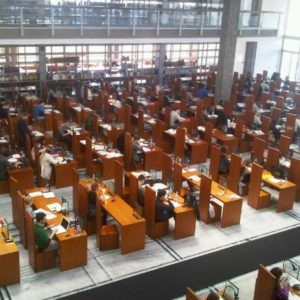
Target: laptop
{"points": [[63, 227]]}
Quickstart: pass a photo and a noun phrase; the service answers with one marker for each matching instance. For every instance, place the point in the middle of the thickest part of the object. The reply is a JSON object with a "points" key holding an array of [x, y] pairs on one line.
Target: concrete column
{"points": [[160, 63], [42, 70], [228, 40]]}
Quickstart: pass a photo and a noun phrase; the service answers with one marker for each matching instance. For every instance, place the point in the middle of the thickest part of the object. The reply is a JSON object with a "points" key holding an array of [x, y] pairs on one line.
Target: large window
{"points": [[198, 58]]}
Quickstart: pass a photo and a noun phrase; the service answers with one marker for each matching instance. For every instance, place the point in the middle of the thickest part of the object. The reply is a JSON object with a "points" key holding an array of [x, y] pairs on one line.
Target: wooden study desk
{"points": [[185, 218], [133, 229], [230, 202], [63, 174], [9, 262], [107, 158], [224, 139], [287, 191], [152, 155], [72, 246]]}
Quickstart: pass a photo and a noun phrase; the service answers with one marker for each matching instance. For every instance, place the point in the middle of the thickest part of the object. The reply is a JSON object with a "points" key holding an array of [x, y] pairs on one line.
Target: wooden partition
{"points": [[234, 173], [290, 121], [276, 114], [140, 123], [284, 144], [204, 199], [19, 180], [257, 198], [208, 133], [75, 175], [128, 151], [127, 122], [272, 158], [22, 223], [294, 175], [166, 167], [265, 124], [214, 162], [88, 156], [265, 284], [118, 178], [180, 142], [258, 149], [177, 177]]}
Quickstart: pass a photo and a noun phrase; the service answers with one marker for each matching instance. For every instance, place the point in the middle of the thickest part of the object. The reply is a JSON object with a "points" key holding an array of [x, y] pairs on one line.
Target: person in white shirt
{"points": [[175, 117], [46, 163]]}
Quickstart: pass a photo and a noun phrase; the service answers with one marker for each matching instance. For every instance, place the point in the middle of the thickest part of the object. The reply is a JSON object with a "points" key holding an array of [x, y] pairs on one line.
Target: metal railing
{"points": [[135, 18]]}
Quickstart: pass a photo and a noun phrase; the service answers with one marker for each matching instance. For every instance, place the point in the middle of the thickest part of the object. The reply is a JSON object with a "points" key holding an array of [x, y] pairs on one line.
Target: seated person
{"points": [[175, 118], [163, 207], [224, 161], [92, 198], [281, 291], [3, 167], [213, 296], [28, 202], [3, 112], [39, 113], [121, 142], [203, 116], [141, 190], [44, 241], [257, 119], [202, 92], [65, 135]]}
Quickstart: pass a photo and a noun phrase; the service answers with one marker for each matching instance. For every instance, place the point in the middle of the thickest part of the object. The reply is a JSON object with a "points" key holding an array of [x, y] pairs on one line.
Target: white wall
{"points": [[268, 54]]}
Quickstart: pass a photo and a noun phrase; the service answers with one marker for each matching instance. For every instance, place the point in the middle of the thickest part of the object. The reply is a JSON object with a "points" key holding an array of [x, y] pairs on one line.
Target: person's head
{"points": [[277, 272], [141, 179], [40, 218], [161, 195], [224, 149], [94, 186], [213, 296], [28, 200]]}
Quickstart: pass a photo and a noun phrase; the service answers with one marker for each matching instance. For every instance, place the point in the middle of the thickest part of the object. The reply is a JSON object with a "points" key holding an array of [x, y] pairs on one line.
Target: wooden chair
{"points": [[265, 284], [284, 144], [22, 220], [191, 295], [107, 236], [120, 190], [276, 114], [265, 124], [257, 197], [204, 201], [234, 173], [38, 260], [154, 229], [279, 102], [214, 162], [272, 158], [180, 142], [290, 121], [258, 149]]}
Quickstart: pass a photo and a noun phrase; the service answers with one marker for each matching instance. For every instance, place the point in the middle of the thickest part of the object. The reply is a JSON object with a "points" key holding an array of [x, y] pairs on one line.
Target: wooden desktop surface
{"points": [[9, 262], [69, 240]]}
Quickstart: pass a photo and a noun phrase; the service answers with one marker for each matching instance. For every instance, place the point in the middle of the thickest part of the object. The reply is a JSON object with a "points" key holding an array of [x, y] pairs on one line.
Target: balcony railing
{"points": [[123, 18]]}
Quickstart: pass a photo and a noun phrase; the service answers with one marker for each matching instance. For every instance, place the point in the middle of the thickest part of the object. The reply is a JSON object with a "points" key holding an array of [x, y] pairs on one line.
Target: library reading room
{"points": [[150, 149]]}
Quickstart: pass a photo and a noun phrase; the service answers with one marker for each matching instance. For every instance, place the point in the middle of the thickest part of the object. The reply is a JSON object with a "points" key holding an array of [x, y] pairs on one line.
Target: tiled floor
{"points": [[105, 267]]}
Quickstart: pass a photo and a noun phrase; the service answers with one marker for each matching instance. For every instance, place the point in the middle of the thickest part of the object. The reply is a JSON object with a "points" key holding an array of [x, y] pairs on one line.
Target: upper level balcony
{"points": [[98, 22]]}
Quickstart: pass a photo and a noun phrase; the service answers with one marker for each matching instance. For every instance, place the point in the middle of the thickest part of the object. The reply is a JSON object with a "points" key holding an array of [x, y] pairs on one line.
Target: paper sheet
{"points": [[35, 194]]}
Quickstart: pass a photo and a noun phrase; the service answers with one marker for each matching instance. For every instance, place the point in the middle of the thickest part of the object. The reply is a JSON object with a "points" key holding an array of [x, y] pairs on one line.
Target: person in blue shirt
{"points": [[202, 92], [39, 112]]}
